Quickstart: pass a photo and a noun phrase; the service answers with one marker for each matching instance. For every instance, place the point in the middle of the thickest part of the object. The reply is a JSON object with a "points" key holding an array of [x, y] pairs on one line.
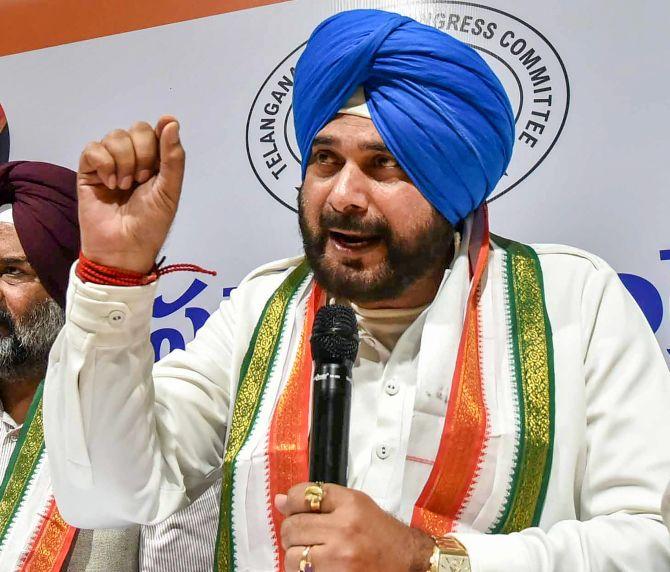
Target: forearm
{"points": [[422, 550], [100, 429]]}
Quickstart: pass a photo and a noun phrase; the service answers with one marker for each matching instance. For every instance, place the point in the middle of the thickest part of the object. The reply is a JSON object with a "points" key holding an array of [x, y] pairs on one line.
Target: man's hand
{"points": [[351, 534], [128, 186]]}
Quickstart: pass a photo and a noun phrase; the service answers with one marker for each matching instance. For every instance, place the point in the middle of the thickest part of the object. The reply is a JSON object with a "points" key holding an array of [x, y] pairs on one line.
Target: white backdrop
{"points": [[591, 171]]}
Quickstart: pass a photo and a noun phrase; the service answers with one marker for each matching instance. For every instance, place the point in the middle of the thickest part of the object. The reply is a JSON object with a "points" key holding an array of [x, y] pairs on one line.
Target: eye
{"points": [[324, 158], [385, 162], [13, 271], [14, 275]]}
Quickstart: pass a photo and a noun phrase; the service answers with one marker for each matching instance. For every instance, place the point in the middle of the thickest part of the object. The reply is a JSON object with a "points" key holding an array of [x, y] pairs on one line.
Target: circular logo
{"points": [[528, 66], [4, 137]]}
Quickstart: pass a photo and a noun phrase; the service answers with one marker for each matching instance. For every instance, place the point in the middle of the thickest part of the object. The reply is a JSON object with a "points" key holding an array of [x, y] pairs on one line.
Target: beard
{"points": [[24, 352], [407, 259]]}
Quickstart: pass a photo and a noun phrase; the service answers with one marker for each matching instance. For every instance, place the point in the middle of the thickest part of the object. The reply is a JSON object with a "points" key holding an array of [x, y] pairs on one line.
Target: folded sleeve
{"points": [[127, 441], [627, 456]]}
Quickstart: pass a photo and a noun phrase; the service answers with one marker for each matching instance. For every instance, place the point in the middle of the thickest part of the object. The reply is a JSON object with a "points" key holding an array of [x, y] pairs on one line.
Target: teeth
{"points": [[351, 237]]}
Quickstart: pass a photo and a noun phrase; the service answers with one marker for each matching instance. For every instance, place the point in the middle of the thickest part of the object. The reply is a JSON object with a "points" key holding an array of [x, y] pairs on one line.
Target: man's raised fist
{"points": [[129, 185]]}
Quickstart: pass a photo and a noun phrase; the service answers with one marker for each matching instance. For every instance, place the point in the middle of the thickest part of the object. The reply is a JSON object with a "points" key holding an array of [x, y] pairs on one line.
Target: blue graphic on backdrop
{"points": [[165, 340], [647, 295], [175, 339]]}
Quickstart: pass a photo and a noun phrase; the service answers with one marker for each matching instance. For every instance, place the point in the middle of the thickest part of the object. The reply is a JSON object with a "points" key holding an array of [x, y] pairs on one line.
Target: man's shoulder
{"points": [[575, 273], [569, 257], [246, 302], [264, 280], [275, 270], [569, 267], [552, 255]]}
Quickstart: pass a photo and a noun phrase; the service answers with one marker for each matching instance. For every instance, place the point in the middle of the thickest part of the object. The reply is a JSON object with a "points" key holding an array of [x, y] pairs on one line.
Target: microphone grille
{"points": [[335, 334]]}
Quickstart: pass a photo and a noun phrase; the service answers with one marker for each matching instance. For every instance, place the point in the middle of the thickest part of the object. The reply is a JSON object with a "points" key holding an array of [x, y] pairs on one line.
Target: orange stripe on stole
{"points": [[52, 543], [462, 443], [288, 448]]}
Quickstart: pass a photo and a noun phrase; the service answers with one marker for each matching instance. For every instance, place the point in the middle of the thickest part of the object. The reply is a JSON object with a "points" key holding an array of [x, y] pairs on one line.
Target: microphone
{"points": [[334, 345]]}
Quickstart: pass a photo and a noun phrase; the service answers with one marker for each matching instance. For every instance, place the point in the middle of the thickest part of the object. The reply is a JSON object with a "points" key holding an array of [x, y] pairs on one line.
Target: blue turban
{"points": [[437, 105]]}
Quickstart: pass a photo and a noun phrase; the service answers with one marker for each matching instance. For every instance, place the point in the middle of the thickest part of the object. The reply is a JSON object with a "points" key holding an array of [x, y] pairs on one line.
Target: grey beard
{"points": [[24, 353]]}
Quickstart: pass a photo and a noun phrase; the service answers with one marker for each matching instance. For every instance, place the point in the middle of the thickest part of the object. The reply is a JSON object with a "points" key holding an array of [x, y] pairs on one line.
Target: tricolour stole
{"points": [[33, 535], [274, 398]]}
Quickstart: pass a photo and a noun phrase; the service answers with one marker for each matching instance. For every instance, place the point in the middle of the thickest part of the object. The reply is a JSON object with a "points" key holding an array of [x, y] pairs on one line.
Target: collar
{"points": [[7, 419]]}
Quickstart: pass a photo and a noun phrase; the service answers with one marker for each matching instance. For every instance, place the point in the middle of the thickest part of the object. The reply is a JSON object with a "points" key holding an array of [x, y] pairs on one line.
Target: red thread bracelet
{"points": [[89, 271]]}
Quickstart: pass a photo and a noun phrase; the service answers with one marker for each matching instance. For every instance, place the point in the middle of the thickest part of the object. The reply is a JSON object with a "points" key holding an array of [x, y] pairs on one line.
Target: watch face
{"points": [[452, 563]]}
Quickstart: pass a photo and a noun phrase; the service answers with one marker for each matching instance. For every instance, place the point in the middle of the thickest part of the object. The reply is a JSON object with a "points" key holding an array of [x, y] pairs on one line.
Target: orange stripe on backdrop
{"points": [[34, 24]]}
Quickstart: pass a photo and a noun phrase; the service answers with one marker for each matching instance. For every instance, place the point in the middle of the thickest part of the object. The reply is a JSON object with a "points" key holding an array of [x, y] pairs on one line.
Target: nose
{"points": [[351, 191]]}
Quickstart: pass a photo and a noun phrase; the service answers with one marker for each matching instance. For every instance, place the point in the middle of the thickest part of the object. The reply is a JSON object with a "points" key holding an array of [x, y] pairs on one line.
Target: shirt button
{"points": [[116, 317], [391, 388], [383, 451]]}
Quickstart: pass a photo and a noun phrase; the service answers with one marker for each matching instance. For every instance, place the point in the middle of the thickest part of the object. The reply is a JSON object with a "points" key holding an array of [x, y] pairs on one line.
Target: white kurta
{"points": [[127, 449]]}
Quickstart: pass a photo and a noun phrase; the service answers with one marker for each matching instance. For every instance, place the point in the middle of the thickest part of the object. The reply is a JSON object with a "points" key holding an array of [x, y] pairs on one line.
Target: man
{"points": [[498, 389], [39, 241]]}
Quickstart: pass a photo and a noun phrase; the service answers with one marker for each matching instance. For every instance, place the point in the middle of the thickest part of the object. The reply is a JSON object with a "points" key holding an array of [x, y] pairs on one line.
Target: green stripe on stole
{"points": [[254, 374], [23, 463], [533, 366]]}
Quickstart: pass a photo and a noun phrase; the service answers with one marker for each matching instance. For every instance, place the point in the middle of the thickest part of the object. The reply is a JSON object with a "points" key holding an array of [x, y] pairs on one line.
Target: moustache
{"points": [[376, 226]]}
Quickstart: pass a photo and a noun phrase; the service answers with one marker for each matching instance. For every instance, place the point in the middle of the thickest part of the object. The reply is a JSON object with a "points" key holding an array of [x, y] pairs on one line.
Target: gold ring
{"points": [[305, 562], [314, 496]]}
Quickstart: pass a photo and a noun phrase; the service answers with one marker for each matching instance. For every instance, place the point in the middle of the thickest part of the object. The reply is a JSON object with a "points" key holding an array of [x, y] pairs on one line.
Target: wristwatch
{"points": [[449, 555]]}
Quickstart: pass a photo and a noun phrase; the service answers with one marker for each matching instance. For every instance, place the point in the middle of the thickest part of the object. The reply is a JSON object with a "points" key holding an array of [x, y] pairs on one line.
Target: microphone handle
{"points": [[331, 409]]}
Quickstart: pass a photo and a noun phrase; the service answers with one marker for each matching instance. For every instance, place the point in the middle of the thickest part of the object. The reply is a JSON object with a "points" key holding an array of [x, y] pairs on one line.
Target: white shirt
{"points": [[9, 435], [385, 383], [133, 449]]}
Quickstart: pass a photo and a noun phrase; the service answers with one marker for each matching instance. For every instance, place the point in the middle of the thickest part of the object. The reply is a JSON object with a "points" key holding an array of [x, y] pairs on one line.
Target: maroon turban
{"points": [[43, 198]]}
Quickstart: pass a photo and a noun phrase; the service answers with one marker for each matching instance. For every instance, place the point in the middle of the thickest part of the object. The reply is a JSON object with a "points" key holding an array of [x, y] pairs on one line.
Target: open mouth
{"points": [[352, 241]]}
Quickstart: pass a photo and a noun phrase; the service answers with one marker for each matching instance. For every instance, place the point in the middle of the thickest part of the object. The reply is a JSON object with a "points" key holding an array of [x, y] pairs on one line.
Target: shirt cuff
{"points": [[495, 552], [114, 314]]}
